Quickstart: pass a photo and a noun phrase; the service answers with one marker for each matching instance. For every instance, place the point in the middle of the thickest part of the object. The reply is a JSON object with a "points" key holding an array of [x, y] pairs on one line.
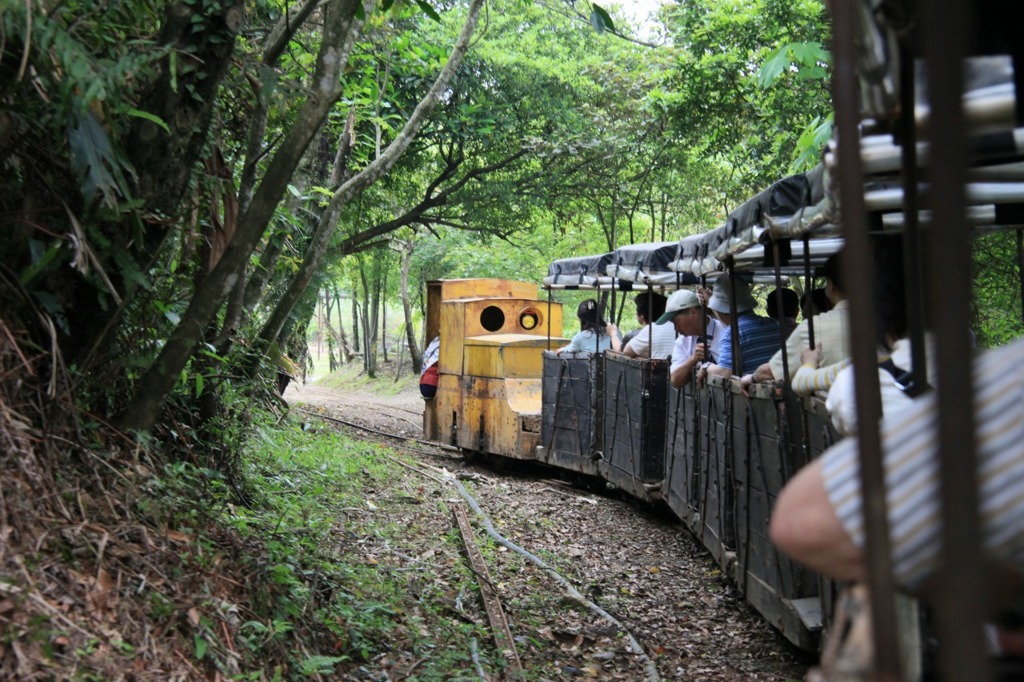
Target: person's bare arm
{"points": [[764, 373], [719, 371], [681, 374], [804, 525], [613, 334]]}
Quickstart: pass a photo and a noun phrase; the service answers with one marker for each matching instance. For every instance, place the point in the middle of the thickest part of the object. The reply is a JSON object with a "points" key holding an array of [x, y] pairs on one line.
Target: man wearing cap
{"points": [[699, 335], [831, 331], [759, 336]]}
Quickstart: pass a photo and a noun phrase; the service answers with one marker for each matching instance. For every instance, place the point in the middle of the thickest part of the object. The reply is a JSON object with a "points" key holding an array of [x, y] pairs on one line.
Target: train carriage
{"points": [[635, 395], [683, 474], [572, 426], [635, 401], [767, 451], [571, 429]]}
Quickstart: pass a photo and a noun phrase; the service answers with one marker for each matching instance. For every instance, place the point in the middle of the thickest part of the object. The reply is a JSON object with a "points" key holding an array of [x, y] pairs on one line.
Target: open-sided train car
{"points": [[493, 333], [604, 414], [729, 454], [717, 458], [572, 426]]}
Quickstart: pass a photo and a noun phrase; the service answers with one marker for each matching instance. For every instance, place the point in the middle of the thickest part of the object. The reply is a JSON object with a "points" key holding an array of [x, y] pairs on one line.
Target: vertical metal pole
{"points": [[549, 320], [857, 262], [614, 285], [808, 287], [913, 289], [962, 600], [650, 321], [778, 308], [737, 351], [704, 313]]}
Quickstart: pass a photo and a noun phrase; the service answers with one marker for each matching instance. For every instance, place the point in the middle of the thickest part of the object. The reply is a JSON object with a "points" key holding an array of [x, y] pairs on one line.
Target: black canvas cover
{"points": [[785, 197], [713, 239], [649, 264], [654, 257], [578, 270]]}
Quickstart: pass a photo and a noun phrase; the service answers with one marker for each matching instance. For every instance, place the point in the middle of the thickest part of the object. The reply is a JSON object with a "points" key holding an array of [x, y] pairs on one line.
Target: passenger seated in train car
{"points": [[813, 302], [818, 518], [699, 335], [811, 378], [650, 307], [429, 375], [790, 309], [759, 336], [595, 335], [894, 359], [830, 328]]}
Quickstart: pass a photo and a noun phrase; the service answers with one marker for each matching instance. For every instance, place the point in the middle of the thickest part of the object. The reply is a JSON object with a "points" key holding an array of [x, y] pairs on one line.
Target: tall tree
{"points": [[340, 30]]}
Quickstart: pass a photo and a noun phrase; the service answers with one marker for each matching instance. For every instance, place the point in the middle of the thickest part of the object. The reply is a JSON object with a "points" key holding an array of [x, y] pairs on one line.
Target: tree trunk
{"points": [[382, 286], [415, 354], [369, 175], [369, 333], [344, 349], [355, 323], [328, 303], [339, 32], [182, 96]]}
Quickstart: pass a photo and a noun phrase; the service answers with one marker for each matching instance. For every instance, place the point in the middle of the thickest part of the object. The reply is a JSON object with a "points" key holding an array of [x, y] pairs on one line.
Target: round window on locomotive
{"points": [[530, 319], [492, 318]]}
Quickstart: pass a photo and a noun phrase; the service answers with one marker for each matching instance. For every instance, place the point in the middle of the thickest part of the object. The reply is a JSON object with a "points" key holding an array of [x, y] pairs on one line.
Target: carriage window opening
{"points": [[529, 319], [492, 318]]}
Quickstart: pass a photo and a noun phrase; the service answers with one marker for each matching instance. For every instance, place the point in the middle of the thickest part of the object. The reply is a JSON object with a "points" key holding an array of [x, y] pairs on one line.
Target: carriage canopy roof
{"points": [[649, 264], [579, 272]]}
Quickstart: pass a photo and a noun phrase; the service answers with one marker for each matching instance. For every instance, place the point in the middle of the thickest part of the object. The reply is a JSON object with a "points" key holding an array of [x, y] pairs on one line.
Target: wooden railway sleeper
{"points": [[503, 639]]}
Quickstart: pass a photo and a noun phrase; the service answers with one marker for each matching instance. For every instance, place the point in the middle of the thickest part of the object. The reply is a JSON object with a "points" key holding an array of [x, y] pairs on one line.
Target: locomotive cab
{"points": [[493, 334]]}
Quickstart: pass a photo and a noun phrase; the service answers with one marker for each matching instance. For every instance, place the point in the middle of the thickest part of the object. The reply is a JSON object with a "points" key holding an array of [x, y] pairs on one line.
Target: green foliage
{"points": [[750, 77], [809, 60], [998, 312], [600, 19], [308, 487]]}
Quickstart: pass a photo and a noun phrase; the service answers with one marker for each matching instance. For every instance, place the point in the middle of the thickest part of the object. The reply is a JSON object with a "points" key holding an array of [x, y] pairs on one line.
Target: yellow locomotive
{"points": [[493, 333]]}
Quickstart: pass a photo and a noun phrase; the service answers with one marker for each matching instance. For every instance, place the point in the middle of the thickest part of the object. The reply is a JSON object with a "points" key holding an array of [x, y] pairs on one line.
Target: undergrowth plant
{"points": [[339, 572]]}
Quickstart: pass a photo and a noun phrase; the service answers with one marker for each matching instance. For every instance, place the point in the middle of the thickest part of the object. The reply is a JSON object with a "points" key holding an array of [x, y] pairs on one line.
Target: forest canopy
{"points": [[183, 179]]}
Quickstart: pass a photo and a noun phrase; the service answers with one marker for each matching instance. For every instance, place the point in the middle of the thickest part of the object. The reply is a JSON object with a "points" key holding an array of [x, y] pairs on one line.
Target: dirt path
{"points": [[401, 413], [645, 570]]}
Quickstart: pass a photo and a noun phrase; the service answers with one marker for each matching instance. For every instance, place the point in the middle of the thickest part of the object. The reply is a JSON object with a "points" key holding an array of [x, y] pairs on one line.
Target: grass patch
{"points": [[359, 563], [353, 377]]}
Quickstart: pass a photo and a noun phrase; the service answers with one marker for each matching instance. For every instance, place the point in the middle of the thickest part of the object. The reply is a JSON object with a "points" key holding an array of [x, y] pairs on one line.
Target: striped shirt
{"points": [[759, 339], [810, 379], [664, 339], [910, 447]]}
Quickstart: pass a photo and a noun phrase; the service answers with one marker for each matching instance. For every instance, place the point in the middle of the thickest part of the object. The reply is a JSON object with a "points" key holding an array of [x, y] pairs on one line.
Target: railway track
{"points": [[647, 573]]}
